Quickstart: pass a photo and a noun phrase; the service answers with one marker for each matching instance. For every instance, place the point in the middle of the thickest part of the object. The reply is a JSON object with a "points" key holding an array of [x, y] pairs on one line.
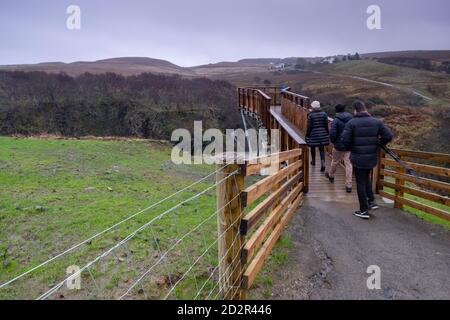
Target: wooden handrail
{"points": [[438, 157]]}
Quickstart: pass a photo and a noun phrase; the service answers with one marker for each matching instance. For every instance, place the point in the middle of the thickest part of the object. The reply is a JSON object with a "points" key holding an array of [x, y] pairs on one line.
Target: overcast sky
{"points": [[192, 32]]}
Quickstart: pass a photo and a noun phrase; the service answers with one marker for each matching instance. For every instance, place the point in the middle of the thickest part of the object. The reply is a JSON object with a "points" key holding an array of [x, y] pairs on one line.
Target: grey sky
{"points": [[192, 32]]}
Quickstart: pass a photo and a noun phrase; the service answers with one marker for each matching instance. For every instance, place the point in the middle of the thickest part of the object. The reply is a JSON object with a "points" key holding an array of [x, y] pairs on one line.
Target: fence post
{"points": [[305, 158], [377, 177], [398, 193], [230, 240]]}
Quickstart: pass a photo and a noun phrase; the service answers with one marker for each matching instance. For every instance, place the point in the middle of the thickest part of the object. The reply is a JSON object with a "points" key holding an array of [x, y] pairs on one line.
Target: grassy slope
{"points": [[54, 193], [415, 79]]}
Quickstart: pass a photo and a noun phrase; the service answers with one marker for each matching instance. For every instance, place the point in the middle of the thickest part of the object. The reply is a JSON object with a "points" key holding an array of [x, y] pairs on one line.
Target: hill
{"points": [[437, 61], [124, 66], [438, 55]]}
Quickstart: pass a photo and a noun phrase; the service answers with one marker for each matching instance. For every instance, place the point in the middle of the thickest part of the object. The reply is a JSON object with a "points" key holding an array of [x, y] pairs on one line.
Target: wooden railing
{"points": [[255, 101], [251, 235], [429, 188], [296, 108], [259, 101]]}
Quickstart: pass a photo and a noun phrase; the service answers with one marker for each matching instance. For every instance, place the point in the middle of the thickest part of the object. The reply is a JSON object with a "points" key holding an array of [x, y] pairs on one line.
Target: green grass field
{"points": [[56, 193]]}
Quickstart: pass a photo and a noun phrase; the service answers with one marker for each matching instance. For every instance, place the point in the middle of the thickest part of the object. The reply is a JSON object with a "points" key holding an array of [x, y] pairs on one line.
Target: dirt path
{"points": [[332, 250]]}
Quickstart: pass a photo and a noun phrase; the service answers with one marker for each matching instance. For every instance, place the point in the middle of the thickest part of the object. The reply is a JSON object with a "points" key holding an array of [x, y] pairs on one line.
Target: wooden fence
{"points": [[430, 185], [257, 102], [250, 237]]}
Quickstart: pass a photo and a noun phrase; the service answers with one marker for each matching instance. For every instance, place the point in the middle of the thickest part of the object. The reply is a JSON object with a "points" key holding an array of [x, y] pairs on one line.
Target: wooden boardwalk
{"points": [[320, 186]]}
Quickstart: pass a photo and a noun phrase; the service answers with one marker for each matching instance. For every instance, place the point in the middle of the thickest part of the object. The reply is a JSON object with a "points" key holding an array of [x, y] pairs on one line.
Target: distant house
{"points": [[329, 60], [280, 66]]}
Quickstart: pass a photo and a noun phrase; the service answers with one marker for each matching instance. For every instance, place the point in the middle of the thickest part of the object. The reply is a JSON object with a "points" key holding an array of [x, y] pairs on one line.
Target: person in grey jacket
{"points": [[363, 136], [317, 133]]}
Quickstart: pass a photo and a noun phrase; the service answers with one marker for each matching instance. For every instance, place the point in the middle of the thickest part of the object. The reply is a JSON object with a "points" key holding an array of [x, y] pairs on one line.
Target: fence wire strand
{"points": [[76, 246], [131, 235]]}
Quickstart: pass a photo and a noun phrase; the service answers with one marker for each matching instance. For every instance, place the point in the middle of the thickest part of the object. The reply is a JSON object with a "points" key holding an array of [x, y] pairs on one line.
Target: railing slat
{"points": [[250, 219], [257, 263], [416, 205], [439, 157], [440, 171], [252, 168], [255, 191], [420, 181], [419, 193], [261, 233]]}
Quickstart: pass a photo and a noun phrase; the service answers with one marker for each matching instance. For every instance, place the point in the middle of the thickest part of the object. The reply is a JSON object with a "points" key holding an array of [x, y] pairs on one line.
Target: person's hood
{"points": [[344, 116]]}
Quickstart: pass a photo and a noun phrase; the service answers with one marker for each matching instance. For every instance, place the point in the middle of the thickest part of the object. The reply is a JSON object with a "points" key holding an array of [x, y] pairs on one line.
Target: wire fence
{"points": [[168, 250]]}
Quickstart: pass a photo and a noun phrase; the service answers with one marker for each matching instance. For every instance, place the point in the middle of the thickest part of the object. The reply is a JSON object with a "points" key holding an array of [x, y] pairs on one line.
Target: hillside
{"points": [[148, 105], [124, 66], [229, 68], [427, 82], [440, 55]]}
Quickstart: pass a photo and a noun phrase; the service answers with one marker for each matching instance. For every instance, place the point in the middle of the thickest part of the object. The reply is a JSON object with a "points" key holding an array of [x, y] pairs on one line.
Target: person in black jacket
{"points": [[363, 136], [317, 133], [339, 152]]}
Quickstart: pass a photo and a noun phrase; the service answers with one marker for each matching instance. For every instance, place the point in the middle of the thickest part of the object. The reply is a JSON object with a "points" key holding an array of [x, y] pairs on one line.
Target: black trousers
{"points": [[364, 188], [321, 151]]}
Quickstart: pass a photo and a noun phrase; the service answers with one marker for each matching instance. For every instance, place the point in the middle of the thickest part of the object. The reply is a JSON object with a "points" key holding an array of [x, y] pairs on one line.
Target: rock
{"points": [[39, 208], [110, 189], [6, 264]]}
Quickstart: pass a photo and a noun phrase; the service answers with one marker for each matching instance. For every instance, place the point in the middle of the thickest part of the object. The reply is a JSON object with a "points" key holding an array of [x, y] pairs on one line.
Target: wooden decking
{"points": [[320, 186]]}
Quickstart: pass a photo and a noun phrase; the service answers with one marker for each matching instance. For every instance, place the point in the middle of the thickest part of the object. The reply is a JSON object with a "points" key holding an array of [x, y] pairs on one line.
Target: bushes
{"points": [[147, 105]]}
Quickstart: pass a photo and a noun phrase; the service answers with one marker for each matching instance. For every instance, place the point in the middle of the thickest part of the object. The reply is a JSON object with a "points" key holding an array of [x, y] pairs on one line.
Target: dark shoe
{"points": [[322, 166], [329, 177], [322, 169], [313, 163], [373, 206], [349, 190], [362, 215]]}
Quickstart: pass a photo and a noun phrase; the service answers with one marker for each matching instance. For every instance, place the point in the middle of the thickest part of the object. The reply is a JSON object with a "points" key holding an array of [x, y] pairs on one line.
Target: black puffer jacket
{"points": [[362, 136], [337, 127], [317, 133]]}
